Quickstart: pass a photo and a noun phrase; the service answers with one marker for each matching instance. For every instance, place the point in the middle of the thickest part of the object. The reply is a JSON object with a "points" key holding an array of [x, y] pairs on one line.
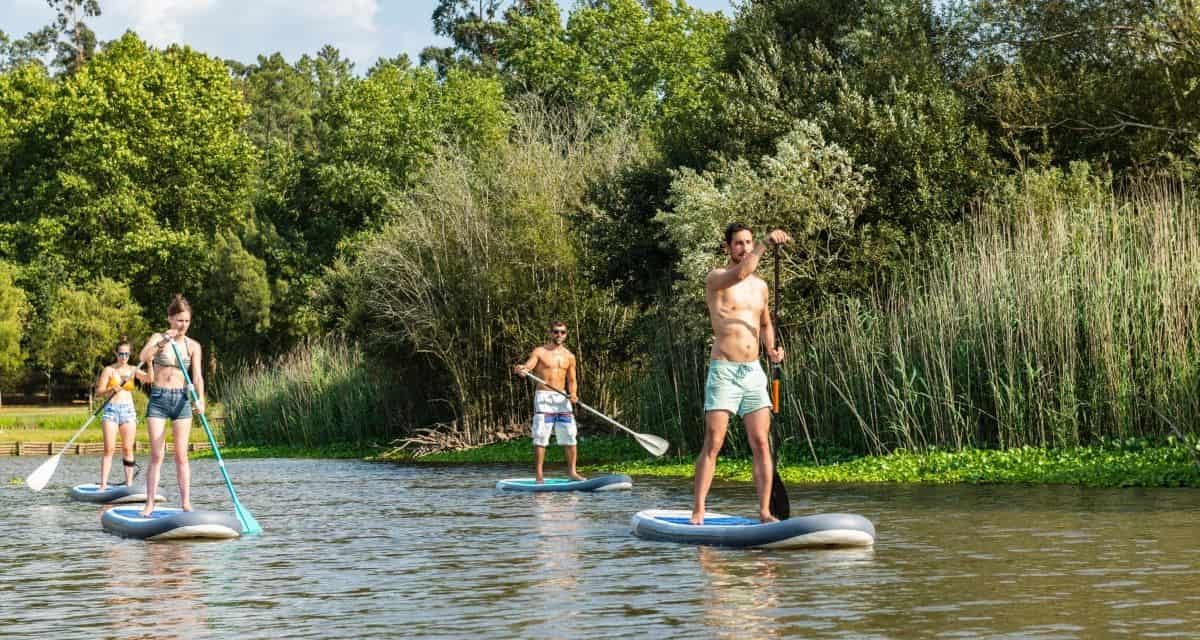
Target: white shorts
{"points": [[552, 411]]}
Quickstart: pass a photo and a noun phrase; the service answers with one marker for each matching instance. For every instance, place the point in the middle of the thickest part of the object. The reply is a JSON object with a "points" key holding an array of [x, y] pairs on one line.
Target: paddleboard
{"points": [[169, 523], [821, 530], [613, 482], [113, 494]]}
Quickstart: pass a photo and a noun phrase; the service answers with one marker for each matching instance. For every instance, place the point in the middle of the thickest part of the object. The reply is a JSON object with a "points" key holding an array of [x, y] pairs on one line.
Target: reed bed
{"points": [[1054, 320], [324, 391]]}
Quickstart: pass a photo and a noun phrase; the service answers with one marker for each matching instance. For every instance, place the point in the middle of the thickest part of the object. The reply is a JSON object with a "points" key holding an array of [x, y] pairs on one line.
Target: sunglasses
{"points": [[122, 354], [559, 331]]}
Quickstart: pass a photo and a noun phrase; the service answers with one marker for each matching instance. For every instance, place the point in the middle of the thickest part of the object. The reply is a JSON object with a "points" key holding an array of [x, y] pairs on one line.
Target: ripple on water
{"points": [[353, 549]]}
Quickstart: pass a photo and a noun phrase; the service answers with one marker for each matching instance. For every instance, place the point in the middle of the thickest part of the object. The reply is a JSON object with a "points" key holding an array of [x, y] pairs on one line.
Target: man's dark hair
{"points": [[733, 228], [558, 323]]}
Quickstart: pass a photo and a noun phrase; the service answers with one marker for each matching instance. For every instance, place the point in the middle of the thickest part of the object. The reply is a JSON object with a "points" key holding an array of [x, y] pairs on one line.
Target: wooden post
{"points": [[49, 448], [18, 447]]}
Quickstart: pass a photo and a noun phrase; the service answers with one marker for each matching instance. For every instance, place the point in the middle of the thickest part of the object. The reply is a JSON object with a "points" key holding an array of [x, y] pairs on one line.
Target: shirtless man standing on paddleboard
{"points": [[553, 363], [740, 316]]}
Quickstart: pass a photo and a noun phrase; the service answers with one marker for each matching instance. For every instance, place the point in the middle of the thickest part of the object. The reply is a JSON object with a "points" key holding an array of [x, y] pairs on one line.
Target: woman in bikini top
{"points": [[170, 398]]}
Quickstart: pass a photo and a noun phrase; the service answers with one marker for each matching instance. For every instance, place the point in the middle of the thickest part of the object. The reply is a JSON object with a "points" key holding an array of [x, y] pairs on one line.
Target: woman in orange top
{"points": [[119, 413]]}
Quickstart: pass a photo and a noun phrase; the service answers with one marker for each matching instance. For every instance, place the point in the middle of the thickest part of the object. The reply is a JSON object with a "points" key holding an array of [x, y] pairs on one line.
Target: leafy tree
{"points": [[85, 324], [77, 42], [30, 49], [653, 62], [870, 76], [129, 169], [370, 138], [473, 29], [810, 187], [1059, 81], [14, 310], [282, 98], [479, 237], [239, 279]]}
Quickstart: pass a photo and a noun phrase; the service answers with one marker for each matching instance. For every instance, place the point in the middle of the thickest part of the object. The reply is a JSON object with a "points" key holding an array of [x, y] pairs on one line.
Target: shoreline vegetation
{"points": [[992, 279], [1135, 462], [1132, 462]]}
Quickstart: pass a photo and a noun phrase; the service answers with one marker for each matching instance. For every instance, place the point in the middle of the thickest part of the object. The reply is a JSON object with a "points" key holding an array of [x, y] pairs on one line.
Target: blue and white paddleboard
{"points": [[113, 494], [602, 483], [821, 530], [168, 523]]}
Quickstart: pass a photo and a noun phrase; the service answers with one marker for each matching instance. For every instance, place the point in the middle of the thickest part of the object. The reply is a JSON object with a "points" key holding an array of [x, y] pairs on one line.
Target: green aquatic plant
{"points": [[1113, 462]]}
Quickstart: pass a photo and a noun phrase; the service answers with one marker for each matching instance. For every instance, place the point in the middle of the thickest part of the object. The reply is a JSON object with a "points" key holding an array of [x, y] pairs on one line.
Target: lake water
{"points": [[354, 549]]}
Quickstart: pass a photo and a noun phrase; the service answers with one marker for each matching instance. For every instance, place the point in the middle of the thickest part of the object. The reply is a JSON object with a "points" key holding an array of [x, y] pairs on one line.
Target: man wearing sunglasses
{"points": [[553, 363]]}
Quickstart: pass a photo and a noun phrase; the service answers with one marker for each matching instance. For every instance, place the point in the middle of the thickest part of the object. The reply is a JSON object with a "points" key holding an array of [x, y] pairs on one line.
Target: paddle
{"points": [[779, 505], [250, 526], [653, 444], [40, 476]]}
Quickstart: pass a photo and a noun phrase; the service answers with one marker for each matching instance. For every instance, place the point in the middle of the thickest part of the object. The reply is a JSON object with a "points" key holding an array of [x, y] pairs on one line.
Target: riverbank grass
{"points": [[1112, 463], [338, 451]]}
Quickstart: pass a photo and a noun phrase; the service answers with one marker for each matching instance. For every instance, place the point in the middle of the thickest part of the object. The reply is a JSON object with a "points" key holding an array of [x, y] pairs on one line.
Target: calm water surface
{"points": [[355, 549]]}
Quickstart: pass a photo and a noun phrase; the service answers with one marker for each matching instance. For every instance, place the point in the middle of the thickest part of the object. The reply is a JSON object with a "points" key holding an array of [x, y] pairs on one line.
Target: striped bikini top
{"points": [[165, 357]]}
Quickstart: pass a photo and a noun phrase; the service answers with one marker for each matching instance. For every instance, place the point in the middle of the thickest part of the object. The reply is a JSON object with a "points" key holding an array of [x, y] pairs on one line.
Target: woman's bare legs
{"points": [[158, 448], [110, 444], [128, 435], [183, 471]]}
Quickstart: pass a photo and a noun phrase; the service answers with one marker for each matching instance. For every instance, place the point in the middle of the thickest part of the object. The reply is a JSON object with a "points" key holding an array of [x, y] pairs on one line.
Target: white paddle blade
{"points": [[653, 444], [41, 475]]}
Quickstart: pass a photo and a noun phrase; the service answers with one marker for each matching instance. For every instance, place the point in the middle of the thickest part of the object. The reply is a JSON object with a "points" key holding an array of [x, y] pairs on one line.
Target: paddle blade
{"points": [[779, 505], [41, 475], [250, 526], [652, 443]]}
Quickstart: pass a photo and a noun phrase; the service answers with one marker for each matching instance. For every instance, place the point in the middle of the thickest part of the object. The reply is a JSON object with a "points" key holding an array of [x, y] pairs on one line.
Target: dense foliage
{"points": [[992, 203]]}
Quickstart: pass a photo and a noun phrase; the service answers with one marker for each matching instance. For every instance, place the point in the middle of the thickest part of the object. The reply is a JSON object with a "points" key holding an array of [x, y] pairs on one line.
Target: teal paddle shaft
{"points": [[250, 526]]}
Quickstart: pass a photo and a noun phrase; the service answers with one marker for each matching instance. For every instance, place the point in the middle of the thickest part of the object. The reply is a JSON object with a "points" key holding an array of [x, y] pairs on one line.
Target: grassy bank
{"points": [[342, 451], [59, 423], [1112, 463]]}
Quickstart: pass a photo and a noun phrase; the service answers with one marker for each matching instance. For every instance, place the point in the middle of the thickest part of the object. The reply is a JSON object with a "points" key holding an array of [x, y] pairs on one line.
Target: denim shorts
{"points": [[169, 404], [119, 413]]}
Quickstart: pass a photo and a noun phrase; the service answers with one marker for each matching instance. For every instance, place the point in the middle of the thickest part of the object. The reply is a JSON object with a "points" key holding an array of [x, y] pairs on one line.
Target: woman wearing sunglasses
{"points": [[119, 414]]}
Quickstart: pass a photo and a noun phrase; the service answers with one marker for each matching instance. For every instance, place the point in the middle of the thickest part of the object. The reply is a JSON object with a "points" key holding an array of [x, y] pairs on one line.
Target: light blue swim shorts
{"points": [[119, 413], [736, 387]]}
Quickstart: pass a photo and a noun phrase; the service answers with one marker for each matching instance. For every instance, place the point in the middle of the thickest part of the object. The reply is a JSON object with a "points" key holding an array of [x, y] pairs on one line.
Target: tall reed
{"points": [[1063, 314], [322, 392]]}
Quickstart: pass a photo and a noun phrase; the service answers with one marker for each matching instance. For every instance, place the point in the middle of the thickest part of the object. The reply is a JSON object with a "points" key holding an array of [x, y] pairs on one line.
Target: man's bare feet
{"points": [[103, 487], [146, 514], [187, 506], [765, 517], [540, 480], [697, 517], [576, 476]]}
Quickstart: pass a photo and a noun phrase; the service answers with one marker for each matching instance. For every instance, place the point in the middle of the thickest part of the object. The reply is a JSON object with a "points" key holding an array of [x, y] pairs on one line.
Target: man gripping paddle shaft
{"points": [[553, 363], [741, 321]]}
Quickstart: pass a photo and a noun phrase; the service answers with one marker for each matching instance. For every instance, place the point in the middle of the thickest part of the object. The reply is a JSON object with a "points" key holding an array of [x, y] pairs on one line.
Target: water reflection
{"points": [[159, 577], [741, 596], [559, 527]]}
